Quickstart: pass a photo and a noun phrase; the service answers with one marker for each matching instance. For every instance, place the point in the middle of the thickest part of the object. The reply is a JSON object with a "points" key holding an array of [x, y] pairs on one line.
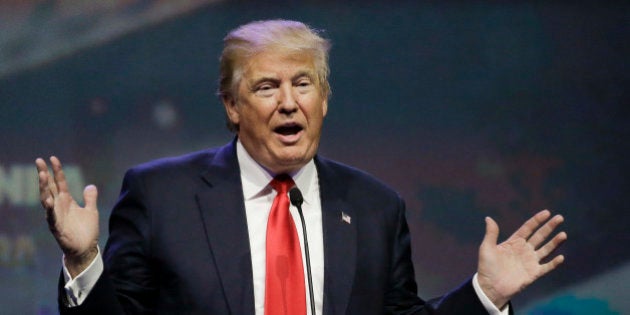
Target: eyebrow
{"points": [[303, 73], [256, 82]]}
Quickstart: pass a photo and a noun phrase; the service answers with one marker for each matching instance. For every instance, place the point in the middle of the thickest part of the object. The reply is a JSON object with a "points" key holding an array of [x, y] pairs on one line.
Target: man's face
{"points": [[279, 110]]}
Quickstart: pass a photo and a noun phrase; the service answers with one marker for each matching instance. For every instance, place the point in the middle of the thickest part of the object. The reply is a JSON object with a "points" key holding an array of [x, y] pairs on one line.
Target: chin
{"points": [[291, 163], [292, 156]]}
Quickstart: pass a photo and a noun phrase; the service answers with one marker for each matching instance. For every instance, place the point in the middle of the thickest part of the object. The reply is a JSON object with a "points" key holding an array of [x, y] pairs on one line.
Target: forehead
{"points": [[278, 65]]}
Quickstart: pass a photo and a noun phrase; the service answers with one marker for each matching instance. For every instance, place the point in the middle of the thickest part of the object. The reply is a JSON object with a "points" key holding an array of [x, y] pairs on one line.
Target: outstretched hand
{"points": [[507, 268], [74, 227]]}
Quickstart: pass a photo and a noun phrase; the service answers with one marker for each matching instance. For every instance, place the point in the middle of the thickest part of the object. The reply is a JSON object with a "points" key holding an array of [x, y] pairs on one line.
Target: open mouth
{"points": [[288, 130]]}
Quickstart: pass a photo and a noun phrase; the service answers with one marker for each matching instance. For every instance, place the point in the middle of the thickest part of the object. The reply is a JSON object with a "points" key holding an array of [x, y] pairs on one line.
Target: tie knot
{"points": [[282, 183]]}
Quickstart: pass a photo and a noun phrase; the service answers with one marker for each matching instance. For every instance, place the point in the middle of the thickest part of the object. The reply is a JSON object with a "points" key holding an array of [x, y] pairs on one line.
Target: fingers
{"points": [[492, 233], [550, 246], [45, 195], [90, 194], [531, 225], [551, 265], [542, 233], [41, 165], [60, 177]]}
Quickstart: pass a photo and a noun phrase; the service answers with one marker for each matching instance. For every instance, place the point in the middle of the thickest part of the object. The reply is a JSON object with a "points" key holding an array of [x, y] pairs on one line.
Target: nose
{"points": [[287, 101]]}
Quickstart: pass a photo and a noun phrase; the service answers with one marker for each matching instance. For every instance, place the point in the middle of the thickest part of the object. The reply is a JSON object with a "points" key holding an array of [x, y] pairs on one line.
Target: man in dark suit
{"points": [[191, 235]]}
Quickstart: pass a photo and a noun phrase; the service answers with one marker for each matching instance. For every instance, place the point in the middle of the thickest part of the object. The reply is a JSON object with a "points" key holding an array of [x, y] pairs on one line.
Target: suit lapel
{"points": [[223, 214], [340, 240]]}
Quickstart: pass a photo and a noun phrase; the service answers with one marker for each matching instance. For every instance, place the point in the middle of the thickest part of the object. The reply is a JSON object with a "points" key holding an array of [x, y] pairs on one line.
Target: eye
{"points": [[265, 90], [304, 85]]}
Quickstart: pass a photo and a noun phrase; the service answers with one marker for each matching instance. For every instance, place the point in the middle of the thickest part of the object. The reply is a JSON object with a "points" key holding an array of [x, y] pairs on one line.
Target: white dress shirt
{"points": [[258, 196]]}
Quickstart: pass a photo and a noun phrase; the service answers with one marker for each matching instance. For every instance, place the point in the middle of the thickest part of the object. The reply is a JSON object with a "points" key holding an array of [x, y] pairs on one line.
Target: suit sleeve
{"points": [[101, 300], [401, 298]]}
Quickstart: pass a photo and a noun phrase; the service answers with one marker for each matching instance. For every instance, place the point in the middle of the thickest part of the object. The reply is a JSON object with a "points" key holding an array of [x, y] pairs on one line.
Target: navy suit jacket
{"points": [[179, 244]]}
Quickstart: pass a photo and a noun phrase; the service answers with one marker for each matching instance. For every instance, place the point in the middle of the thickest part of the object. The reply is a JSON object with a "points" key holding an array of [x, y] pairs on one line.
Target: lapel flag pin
{"points": [[345, 217]]}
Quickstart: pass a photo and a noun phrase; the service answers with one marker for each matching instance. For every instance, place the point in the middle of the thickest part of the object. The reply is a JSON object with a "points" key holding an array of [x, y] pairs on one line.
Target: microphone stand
{"points": [[296, 199]]}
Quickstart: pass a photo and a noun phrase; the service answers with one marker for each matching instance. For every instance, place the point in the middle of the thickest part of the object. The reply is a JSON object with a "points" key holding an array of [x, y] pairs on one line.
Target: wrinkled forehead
{"points": [[279, 64]]}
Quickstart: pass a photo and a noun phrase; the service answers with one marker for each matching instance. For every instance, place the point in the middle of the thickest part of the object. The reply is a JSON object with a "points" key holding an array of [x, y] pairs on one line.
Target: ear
{"points": [[324, 107], [231, 109]]}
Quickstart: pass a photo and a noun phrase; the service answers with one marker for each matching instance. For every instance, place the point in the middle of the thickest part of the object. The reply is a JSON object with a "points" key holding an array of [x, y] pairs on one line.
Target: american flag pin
{"points": [[345, 217]]}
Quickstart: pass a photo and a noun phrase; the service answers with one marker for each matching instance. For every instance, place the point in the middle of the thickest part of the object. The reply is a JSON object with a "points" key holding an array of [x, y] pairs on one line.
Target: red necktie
{"points": [[284, 281]]}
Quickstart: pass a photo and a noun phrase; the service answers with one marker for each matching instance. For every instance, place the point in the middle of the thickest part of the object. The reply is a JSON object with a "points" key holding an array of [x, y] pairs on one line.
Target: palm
{"points": [[507, 268], [74, 227]]}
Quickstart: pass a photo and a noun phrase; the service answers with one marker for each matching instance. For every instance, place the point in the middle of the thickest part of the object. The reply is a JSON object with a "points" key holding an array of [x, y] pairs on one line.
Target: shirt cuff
{"points": [[487, 304], [77, 289]]}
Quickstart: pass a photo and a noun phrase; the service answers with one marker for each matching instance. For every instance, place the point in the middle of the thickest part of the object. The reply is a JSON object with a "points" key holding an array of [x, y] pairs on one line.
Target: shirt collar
{"points": [[255, 178]]}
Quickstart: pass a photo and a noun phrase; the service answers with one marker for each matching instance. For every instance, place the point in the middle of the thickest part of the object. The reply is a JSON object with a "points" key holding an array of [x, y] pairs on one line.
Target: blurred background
{"points": [[467, 109]]}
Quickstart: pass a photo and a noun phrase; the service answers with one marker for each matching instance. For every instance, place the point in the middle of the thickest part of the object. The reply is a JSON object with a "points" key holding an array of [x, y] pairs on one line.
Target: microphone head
{"points": [[296, 197]]}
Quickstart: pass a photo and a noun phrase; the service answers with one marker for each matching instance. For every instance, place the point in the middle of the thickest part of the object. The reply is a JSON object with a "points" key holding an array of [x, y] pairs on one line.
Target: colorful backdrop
{"points": [[468, 109]]}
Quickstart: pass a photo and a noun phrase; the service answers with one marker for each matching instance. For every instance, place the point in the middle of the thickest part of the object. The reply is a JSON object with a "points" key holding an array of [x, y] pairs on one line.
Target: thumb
{"points": [[492, 233], [90, 194]]}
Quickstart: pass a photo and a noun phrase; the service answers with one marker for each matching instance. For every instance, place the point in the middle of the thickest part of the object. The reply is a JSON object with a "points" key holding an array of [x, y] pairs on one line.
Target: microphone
{"points": [[296, 199]]}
